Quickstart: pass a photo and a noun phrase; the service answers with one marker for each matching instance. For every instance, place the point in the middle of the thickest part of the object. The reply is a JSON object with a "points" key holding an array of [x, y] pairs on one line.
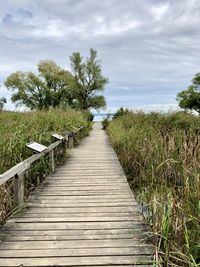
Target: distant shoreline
{"points": [[101, 116]]}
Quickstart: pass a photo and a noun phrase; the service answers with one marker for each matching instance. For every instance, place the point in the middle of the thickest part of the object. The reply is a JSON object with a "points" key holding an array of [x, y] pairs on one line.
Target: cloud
{"points": [[18, 16], [7, 18], [149, 49], [159, 11], [25, 13]]}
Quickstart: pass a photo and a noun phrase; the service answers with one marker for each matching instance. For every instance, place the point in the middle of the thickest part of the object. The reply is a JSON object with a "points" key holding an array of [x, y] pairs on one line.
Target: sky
{"points": [[149, 49]]}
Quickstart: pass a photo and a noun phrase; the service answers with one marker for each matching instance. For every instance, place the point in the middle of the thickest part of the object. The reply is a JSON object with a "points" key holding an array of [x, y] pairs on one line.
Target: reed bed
{"points": [[161, 157], [16, 130]]}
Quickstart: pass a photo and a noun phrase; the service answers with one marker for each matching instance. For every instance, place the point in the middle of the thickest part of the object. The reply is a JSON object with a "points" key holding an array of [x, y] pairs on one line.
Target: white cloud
{"points": [[159, 11], [148, 48]]}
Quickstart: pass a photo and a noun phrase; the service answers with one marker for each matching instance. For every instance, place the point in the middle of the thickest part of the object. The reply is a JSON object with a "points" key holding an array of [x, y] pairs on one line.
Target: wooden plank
{"points": [[85, 167], [75, 219], [77, 205], [70, 232], [74, 252], [71, 244], [74, 225], [90, 172], [82, 181], [83, 192], [85, 180], [76, 215], [76, 261], [89, 175], [84, 198], [85, 187], [64, 198], [94, 170], [58, 209], [72, 204], [10, 238], [53, 199]]}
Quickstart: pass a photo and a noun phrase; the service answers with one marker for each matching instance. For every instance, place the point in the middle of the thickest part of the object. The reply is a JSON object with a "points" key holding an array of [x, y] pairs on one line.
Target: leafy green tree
{"points": [[121, 112], [88, 81], [55, 86], [48, 89], [2, 102], [189, 99]]}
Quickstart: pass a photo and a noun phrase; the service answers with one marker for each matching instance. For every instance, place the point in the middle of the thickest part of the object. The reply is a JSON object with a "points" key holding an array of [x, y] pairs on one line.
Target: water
{"points": [[100, 116]]}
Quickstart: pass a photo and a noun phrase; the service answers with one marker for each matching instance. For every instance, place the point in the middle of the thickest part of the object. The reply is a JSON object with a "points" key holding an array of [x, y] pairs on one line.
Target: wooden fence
{"points": [[18, 173]]}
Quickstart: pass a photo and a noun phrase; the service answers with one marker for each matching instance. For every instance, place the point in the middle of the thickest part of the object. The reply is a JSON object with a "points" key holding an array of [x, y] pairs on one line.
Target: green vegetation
{"points": [[57, 87], [189, 99], [17, 129], [161, 157], [120, 112], [87, 81], [48, 89]]}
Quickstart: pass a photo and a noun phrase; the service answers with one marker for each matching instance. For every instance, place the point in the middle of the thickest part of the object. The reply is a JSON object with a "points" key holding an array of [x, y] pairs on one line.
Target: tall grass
{"points": [[161, 156], [18, 129]]}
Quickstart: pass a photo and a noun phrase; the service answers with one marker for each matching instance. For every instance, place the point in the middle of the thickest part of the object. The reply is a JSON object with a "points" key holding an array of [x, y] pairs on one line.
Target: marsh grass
{"points": [[18, 129], [161, 157]]}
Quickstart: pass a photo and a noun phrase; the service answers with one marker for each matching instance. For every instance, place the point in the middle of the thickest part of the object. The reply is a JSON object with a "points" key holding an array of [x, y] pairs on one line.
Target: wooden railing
{"points": [[18, 172]]}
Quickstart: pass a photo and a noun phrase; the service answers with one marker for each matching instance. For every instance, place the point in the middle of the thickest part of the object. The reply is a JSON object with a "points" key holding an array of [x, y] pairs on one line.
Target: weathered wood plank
{"points": [[71, 244], [76, 261], [70, 232], [88, 202], [74, 252], [58, 209], [82, 204], [85, 198], [85, 187], [65, 183], [10, 238], [76, 205], [75, 219], [83, 193], [74, 225], [33, 214]]}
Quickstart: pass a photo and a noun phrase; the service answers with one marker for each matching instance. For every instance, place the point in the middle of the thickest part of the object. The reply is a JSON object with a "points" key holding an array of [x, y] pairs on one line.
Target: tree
{"points": [[121, 112], [2, 102], [55, 86], [190, 98], [87, 81], [48, 89]]}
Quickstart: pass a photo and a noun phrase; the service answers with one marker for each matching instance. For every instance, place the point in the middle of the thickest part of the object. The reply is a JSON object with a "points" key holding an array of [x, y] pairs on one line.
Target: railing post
{"points": [[51, 160], [64, 146], [71, 140], [18, 189]]}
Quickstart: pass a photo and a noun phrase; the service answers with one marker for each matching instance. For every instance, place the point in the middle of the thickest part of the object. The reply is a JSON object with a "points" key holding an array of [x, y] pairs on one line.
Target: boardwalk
{"points": [[82, 215]]}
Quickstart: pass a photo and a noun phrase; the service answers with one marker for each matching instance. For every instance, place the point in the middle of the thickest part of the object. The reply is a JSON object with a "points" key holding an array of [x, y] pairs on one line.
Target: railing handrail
{"points": [[25, 164]]}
